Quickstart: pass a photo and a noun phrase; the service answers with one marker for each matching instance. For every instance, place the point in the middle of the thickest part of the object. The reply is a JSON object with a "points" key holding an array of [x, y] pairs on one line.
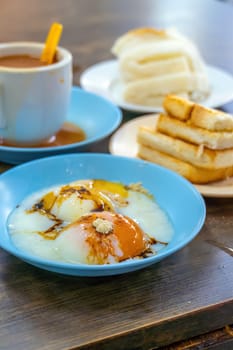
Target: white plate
{"points": [[103, 79], [123, 142]]}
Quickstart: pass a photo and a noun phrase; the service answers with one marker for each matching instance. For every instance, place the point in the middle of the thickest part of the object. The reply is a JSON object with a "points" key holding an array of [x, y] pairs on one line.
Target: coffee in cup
{"points": [[22, 61], [34, 97]]}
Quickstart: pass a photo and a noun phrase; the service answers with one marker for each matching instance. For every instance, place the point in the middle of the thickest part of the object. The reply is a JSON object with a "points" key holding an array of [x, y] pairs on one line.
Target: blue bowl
{"points": [[181, 201], [95, 115]]}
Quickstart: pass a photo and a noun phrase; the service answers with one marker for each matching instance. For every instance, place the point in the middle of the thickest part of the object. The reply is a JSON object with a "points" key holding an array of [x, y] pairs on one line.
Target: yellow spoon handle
{"points": [[51, 43]]}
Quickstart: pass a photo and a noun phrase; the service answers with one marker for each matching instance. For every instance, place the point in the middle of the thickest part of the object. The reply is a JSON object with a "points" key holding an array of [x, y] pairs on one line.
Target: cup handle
{"points": [[2, 116]]}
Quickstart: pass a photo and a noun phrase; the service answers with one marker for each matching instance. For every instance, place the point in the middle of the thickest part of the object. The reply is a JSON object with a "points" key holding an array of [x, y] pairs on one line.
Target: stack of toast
{"points": [[193, 140], [153, 63]]}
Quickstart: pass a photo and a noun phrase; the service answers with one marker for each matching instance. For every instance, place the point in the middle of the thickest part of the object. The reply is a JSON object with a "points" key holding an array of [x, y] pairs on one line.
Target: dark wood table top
{"points": [[186, 296]]}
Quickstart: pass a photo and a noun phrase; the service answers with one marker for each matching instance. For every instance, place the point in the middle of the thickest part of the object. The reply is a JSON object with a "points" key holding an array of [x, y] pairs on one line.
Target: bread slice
{"points": [[143, 91], [148, 98], [198, 115], [134, 70], [136, 36], [194, 174], [144, 59], [147, 43], [211, 119], [153, 63], [191, 153], [178, 107], [193, 134]]}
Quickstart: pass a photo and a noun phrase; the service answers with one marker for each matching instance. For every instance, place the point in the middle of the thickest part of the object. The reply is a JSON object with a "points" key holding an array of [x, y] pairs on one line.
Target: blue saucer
{"points": [[95, 115]]}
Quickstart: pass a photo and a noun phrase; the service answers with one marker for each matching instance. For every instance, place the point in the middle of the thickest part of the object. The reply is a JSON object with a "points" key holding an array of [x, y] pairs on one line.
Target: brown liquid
{"points": [[21, 61], [68, 134]]}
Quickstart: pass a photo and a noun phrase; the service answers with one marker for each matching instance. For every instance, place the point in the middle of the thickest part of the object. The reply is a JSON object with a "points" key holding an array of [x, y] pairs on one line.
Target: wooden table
{"points": [[183, 302]]}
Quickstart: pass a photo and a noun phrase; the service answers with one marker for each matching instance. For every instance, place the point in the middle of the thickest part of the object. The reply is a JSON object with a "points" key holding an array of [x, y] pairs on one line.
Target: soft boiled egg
{"points": [[90, 222], [105, 238]]}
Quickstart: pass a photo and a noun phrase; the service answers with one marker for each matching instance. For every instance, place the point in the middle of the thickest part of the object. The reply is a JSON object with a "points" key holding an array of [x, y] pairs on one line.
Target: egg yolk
{"points": [[111, 235]]}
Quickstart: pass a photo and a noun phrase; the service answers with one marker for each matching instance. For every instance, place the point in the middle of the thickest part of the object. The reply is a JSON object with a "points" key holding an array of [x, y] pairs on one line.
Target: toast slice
{"points": [[178, 107], [193, 134], [194, 174], [195, 114], [188, 152], [211, 119]]}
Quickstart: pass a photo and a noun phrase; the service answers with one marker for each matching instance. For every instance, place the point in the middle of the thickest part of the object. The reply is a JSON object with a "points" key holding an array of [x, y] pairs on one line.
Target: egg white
{"points": [[150, 217]]}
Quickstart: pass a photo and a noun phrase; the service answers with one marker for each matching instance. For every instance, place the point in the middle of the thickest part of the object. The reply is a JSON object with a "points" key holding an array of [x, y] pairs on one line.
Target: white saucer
{"points": [[123, 142], [103, 79]]}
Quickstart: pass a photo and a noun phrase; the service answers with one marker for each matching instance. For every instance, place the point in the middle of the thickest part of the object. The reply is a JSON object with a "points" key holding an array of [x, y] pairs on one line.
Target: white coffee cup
{"points": [[33, 101]]}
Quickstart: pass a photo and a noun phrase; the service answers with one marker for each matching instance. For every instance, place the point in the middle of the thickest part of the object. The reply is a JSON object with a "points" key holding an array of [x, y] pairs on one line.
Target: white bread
{"points": [[198, 115], [194, 174], [137, 36], [150, 98], [188, 152], [145, 37], [193, 134], [153, 63], [143, 91], [142, 61], [131, 70]]}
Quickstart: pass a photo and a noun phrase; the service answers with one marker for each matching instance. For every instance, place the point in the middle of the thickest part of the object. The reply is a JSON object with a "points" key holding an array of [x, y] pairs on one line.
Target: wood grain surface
{"points": [[183, 297]]}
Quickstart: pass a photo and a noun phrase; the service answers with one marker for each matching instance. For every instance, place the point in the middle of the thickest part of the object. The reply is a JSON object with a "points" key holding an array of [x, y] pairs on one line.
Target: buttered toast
{"points": [[196, 154], [198, 115], [195, 141], [191, 133], [194, 174]]}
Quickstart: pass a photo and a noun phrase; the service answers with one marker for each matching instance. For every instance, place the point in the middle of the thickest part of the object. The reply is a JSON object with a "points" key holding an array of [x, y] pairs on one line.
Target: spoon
{"points": [[51, 43]]}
